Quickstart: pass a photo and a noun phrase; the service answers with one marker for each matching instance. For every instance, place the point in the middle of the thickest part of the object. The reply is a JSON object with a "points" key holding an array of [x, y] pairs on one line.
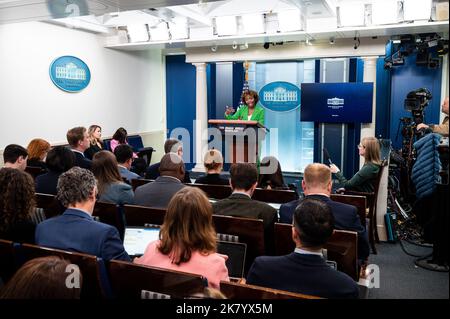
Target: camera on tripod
{"points": [[416, 101]]}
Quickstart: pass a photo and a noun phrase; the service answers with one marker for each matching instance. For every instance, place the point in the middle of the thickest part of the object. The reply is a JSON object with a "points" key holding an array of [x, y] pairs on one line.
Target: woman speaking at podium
{"points": [[250, 111]]}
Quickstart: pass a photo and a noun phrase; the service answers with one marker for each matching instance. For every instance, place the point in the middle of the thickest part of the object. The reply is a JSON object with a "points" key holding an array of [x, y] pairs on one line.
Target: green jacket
{"points": [[242, 114], [363, 180]]}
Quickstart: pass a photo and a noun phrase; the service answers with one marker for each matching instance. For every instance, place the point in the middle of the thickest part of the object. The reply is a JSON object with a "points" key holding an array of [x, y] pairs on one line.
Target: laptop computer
{"points": [[136, 239], [236, 253]]}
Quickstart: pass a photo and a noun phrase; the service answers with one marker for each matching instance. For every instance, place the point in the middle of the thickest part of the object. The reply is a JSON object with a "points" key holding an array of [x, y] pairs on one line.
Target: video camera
{"points": [[416, 101]]}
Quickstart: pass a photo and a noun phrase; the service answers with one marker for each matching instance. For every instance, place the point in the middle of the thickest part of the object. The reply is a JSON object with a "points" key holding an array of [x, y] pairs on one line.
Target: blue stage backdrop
{"points": [[278, 84]]}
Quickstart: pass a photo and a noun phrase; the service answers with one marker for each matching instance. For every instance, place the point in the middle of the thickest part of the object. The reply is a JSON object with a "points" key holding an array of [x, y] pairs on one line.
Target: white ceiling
{"points": [[107, 16]]}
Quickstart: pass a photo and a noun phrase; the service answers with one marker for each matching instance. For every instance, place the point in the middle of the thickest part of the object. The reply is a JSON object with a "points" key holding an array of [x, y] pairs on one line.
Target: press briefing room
{"points": [[224, 149]]}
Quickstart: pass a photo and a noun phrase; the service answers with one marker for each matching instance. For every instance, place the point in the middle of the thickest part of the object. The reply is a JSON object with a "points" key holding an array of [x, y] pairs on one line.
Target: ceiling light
{"points": [[332, 40], [351, 15], [234, 46], [138, 32], [385, 12], [289, 20], [226, 25], [253, 23], [179, 28], [159, 32], [416, 10], [214, 48]]}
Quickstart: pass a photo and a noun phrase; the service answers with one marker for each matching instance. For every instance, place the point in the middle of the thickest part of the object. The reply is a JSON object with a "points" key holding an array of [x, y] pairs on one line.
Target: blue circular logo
{"points": [[280, 96], [70, 74]]}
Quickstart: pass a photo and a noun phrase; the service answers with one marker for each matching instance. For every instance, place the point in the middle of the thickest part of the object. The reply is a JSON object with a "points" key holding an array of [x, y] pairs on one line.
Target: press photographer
{"points": [[442, 128]]}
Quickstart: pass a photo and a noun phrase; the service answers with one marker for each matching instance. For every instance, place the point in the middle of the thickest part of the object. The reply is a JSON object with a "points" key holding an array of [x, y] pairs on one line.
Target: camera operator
{"points": [[440, 129]]}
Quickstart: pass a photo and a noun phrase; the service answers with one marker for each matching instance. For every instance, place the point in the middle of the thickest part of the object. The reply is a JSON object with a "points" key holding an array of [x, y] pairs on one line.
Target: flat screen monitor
{"points": [[336, 102]]}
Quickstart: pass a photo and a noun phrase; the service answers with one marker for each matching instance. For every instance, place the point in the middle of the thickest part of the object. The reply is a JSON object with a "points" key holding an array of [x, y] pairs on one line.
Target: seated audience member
{"points": [[120, 137], [365, 178], [124, 156], [213, 162], [188, 239], [111, 187], [160, 192], [305, 270], [270, 175], [95, 141], [42, 278], [17, 205], [59, 160], [37, 152], [15, 156], [243, 181], [78, 140], [171, 145], [76, 230], [317, 184]]}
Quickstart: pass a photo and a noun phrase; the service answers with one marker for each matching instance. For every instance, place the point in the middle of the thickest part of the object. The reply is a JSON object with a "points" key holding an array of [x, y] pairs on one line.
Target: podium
{"points": [[243, 139]]}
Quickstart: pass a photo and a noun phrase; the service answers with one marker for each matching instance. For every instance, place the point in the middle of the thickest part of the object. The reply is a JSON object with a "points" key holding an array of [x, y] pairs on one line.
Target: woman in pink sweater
{"points": [[188, 239]]}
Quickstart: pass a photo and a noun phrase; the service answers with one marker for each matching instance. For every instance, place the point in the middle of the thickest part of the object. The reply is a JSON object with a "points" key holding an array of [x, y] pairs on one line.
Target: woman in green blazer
{"points": [[250, 111]]}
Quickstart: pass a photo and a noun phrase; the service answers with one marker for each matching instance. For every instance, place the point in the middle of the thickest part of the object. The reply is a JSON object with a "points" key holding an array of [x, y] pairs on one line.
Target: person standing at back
{"points": [[439, 128]]}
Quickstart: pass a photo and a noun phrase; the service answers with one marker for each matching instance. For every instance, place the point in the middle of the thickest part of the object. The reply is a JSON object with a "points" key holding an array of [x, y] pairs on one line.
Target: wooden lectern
{"points": [[242, 137]]}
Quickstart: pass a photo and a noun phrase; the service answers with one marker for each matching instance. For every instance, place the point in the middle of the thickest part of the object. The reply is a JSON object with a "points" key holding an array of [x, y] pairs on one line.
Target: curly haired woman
{"points": [[17, 203]]}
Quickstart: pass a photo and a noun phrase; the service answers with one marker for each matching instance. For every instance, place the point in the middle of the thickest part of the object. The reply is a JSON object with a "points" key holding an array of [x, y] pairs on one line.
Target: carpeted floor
{"points": [[401, 279]]}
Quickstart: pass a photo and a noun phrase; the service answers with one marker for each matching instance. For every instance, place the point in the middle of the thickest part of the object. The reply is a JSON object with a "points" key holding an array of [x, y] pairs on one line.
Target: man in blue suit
{"points": [[317, 184], [305, 270], [76, 230], [78, 140]]}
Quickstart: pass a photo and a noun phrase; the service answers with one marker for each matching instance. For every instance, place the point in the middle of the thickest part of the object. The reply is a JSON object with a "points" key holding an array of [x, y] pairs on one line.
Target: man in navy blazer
{"points": [[317, 184], [78, 140], [76, 230], [305, 270]]}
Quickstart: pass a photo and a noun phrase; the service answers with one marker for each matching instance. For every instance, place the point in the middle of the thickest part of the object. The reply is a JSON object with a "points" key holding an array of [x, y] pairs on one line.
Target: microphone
{"points": [[326, 155]]}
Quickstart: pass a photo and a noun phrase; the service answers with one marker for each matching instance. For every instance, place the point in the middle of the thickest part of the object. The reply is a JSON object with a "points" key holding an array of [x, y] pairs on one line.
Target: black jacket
{"points": [[306, 274], [345, 218]]}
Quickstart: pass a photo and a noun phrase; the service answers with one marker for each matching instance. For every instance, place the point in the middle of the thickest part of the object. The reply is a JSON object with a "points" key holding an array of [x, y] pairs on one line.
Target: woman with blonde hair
{"points": [[187, 240], [37, 152], [95, 139], [364, 179], [111, 187], [213, 162]]}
